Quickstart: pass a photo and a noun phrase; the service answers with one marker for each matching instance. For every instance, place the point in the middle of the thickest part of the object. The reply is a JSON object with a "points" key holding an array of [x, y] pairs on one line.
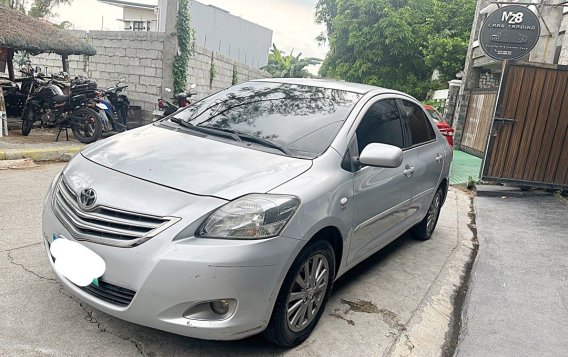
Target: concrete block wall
{"points": [[140, 58], [199, 72], [135, 56], [489, 80]]}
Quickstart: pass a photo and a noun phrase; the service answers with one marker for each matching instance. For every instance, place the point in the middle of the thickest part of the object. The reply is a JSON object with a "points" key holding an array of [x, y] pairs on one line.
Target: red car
{"points": [[444, 127]]}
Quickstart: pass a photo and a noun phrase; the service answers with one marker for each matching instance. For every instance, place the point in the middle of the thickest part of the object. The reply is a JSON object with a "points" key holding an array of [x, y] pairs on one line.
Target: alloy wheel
{"points": [[433, 213], [307, 292]]}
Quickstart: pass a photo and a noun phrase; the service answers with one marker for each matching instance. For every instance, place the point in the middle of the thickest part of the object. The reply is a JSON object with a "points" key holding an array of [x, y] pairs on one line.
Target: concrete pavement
{"points": [[398, 302], [517, 301], [40, 145]]}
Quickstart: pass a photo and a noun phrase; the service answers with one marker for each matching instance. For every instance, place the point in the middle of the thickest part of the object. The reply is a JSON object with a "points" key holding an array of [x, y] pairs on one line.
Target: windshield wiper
{"points": [[207, 130], [265, 142], [235, 135], [253, 139], [181, 122]]}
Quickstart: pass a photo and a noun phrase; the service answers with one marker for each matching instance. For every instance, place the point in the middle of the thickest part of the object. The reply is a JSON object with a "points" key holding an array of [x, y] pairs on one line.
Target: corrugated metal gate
{"points": [[478, 121], [528, 144]]}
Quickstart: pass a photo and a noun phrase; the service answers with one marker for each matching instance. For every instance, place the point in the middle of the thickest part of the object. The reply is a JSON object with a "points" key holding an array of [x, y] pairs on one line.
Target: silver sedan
{"points": [[236, 215]]}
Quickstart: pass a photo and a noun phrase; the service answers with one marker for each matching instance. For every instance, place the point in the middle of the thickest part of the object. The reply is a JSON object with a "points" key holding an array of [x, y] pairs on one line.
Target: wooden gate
{"points": [[528, 144], [478, 121]]}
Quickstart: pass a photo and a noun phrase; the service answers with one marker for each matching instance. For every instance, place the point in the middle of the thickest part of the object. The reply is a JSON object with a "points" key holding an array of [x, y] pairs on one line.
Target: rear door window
{"points": [[421, 130]]}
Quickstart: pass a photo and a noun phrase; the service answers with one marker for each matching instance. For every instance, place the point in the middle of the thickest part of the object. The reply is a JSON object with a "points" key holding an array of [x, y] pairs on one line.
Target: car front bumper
{"points": [[187, 274], [169, 275]]}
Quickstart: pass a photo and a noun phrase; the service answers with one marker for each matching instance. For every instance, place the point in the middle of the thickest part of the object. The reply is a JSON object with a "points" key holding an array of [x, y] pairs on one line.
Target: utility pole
{"points": [[170, 44], [550, 16]]}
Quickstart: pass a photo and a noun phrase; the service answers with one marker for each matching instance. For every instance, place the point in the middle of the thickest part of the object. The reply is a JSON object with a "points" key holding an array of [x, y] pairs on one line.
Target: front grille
{"points": [[102, 224], [110, 293]]}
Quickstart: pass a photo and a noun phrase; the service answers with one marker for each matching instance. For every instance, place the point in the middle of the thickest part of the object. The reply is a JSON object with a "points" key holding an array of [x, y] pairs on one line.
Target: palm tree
{"points": [[288, 66]]}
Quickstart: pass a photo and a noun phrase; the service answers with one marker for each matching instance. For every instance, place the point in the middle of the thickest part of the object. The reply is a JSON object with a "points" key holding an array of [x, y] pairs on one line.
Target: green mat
{"points": [[463, 167]]}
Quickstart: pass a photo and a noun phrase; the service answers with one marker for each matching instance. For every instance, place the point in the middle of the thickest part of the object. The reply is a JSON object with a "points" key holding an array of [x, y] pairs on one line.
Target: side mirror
{"points": [[381, 155], [169, 90]]}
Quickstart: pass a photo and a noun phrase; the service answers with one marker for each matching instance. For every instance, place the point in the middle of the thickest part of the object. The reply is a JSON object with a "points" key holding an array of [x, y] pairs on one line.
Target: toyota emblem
{"points": [[87, 198]]}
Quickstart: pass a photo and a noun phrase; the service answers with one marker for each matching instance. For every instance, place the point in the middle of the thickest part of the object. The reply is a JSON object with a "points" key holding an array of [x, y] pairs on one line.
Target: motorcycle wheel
{"points": [[90, 128], [123, 115], [28, 118]]}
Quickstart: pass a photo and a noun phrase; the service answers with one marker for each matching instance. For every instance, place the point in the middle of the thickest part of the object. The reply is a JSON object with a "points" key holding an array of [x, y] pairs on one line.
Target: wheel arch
{"points": [[333, 236], [444, 185]]}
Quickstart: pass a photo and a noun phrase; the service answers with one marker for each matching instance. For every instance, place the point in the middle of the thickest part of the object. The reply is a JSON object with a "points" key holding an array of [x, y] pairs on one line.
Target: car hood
{"points": [[194, 164]]}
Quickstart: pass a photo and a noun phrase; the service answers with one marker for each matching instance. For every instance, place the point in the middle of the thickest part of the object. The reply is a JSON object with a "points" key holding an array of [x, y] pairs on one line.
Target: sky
{"points": [[292, 21]]}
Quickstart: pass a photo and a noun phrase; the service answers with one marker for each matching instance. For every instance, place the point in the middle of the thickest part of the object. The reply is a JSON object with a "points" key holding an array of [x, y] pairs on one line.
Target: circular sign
{"points": [[509, 33]]}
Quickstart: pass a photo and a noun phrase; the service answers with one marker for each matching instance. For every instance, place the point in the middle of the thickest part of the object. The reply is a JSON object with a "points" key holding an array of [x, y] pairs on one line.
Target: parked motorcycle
{"points": [[166, 107], [76, 111], [16, 92], [117, 106]]}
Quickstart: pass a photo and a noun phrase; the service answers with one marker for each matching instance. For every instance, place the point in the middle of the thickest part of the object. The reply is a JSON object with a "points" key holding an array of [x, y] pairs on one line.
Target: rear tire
{"points": [[90, 129], [28, 119], [303, 295], [424, 229]]}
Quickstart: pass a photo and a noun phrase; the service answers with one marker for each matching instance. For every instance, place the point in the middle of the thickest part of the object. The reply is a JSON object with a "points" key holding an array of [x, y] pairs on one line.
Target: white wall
{"points": [[131, 14]]}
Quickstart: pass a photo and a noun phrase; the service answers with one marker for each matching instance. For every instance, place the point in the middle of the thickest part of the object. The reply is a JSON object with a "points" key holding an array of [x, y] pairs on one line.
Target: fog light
{"points": [[220, 307], [211, 310]]}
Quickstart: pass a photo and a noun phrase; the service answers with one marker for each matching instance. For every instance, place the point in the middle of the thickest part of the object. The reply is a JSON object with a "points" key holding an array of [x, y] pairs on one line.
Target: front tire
{"points": [[425, 229], [303, 295], [28, 118], [89, 129]]}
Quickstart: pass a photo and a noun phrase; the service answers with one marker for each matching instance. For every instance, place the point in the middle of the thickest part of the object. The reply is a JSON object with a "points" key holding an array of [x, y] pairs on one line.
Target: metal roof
{"points": [[121, 3]]}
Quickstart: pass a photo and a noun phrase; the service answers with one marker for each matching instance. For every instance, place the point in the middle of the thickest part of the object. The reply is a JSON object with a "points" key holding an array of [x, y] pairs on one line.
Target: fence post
{"points": [[451, 102], [3, 115], [459, 123]]}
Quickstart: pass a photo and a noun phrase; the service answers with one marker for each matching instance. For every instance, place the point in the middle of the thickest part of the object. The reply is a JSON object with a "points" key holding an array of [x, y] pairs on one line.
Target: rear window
{"points": [[420, 127], [303, 119]]}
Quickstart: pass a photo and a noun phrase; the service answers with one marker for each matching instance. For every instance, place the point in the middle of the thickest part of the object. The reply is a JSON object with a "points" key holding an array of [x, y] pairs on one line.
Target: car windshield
{"points": [[301, 119]]}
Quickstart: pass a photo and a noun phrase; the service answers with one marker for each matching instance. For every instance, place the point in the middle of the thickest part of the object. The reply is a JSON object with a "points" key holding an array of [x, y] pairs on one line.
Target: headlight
{"points": [[51, 188], [250, 217]]}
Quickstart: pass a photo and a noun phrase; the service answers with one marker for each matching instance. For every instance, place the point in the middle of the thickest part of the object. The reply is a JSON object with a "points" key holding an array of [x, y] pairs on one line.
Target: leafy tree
{"points": [[64, 25], [395, 43], [288, 66], [44, 8], [186, 46], [40, 8], [14, 4], [447, 55]]}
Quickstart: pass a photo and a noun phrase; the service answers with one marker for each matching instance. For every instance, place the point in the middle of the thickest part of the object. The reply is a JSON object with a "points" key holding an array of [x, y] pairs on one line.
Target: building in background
{"points": [[215, 29], [482, 74], [137, 16]]}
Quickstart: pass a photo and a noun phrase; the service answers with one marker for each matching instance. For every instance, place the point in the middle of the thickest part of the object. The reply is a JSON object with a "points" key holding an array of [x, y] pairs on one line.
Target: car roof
{"points": [[332, 84]]}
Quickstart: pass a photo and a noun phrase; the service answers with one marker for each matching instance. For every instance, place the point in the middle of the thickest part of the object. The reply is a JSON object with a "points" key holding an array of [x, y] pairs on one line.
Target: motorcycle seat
{"points": [[60, 98], [78, 97]]}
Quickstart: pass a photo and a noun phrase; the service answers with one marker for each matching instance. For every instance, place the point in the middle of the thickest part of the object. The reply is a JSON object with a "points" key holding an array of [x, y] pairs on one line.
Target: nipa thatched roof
{"points": [[21, 32]]}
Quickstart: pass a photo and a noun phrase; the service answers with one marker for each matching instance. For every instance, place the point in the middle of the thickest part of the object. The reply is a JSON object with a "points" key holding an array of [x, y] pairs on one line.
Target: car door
{"points": [[427, 156], [381, 195]]}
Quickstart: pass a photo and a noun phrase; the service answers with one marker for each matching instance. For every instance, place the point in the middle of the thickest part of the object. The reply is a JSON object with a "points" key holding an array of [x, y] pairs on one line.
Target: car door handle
{"points": [[409, 171], [439, 158]]}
